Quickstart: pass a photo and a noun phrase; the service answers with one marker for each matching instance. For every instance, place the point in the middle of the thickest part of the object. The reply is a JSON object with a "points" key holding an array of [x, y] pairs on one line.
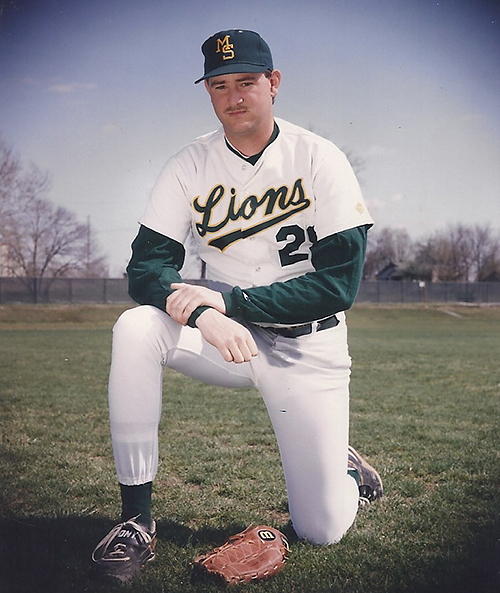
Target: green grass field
{"points": [[425, 411]]}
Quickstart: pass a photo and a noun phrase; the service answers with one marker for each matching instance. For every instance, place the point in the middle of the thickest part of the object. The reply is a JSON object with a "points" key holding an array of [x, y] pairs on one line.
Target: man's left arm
{"points": [[338, 261]]}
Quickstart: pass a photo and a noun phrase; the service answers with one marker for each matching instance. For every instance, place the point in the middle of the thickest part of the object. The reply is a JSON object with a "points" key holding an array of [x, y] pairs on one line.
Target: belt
{"points": [[304, 330]]}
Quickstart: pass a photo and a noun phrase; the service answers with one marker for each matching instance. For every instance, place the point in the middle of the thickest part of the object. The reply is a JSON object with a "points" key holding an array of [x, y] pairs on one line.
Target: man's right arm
{"points": [[154, 265]]}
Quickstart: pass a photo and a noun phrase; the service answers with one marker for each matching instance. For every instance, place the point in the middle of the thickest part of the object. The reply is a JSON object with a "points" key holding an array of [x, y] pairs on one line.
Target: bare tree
{"points": [[461, 244], [43, 240], [387, 246], [434, 260], [460, 253], [485, 253], [39, 240], [17, 187], [10, 169]]}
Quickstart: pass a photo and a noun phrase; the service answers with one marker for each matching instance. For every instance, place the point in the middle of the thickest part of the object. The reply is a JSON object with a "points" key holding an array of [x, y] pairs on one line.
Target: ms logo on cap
{"points": [[226, 48], [235, 51]]}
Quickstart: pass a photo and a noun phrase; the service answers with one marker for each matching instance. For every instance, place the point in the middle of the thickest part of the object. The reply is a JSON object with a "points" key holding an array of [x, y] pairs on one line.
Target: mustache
{"points": [[235, 109]]}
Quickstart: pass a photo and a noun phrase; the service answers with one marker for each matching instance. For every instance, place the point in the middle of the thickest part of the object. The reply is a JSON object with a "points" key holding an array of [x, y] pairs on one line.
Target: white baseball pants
{"points": [[303, 381]]}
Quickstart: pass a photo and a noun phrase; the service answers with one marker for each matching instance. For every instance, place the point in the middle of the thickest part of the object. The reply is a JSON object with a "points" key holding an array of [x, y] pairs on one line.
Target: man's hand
{"points": [[187, 297], [231, 339]]}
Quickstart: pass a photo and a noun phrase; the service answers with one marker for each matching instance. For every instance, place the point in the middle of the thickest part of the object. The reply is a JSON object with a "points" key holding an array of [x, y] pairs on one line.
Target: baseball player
{"points": [[280, 222]]}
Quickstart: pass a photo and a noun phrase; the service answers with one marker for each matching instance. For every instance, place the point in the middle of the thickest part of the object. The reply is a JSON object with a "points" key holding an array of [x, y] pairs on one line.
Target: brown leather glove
{"points": [[254, 554]]}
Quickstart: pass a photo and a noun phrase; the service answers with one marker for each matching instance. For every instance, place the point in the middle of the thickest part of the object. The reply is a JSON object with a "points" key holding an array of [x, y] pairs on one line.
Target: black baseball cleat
{"points": [[370, 486], [125, 550]]}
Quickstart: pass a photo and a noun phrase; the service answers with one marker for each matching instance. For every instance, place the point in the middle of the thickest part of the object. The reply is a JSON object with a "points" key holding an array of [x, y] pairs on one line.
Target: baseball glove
{"points": [[254, 554]]}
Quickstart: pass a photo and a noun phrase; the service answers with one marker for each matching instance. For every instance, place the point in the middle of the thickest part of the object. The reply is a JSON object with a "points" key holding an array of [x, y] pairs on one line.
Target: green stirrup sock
{"points": [[136, 500], [355, 474]]}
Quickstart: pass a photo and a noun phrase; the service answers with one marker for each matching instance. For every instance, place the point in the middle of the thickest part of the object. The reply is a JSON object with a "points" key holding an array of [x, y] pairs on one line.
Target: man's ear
{"points": [[275, 80]]}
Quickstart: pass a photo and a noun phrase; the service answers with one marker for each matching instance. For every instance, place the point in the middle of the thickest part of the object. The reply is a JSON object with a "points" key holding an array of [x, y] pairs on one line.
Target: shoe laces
{"points": [[119, 550], [366, 493], [363, 501]]}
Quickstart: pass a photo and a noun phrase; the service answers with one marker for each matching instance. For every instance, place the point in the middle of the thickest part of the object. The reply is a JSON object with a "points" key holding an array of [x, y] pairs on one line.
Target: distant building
{"points": [[493, 277], [392, 271]]}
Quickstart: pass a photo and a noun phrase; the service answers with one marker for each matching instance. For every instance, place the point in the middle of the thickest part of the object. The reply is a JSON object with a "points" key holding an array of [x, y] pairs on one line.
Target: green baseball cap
{"points": [[235, 51]]}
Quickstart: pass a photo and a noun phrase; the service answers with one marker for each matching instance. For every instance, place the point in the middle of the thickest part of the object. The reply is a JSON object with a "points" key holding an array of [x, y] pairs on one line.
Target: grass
{"points": [[425, 408]]}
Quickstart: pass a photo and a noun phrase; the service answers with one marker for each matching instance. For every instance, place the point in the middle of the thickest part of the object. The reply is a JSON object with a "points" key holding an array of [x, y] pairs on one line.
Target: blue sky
{"points": [[101, 93]]}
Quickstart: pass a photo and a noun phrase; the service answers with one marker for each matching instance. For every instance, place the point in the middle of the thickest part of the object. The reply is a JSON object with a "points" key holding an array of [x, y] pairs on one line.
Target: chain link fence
{"points": [[114, 290], [63, 290], [429, 292]]}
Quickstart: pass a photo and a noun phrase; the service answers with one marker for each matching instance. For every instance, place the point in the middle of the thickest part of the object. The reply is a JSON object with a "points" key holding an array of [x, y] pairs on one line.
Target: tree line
{"points": [[38, 239], [458, 253]]}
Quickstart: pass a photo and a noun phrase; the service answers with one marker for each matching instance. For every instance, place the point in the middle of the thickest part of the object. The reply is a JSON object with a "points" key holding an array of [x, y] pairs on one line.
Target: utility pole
{"points": [[87, 266]]}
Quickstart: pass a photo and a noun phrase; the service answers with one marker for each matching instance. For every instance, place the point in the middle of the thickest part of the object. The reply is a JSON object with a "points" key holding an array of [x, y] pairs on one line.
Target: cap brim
{"points": [[233, 69]]}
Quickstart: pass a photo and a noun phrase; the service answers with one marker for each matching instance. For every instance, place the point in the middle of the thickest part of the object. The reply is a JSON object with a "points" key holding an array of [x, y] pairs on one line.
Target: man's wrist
{"points": [[196, 314]]}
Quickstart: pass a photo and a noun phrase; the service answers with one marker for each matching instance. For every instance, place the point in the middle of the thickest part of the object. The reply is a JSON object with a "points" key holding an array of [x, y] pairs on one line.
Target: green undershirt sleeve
{"points": [[332, 287], [154, 265]]}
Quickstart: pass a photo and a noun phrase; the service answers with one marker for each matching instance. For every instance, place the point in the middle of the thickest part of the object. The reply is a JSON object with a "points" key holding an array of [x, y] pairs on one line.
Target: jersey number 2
{"points": [[290, 253]]}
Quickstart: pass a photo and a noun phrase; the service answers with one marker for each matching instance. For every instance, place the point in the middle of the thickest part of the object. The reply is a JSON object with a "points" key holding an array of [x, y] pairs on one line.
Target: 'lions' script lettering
{"points": [[277, 204]]}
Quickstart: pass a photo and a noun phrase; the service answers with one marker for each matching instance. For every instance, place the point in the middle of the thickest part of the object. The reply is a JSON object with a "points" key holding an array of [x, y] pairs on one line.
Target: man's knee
{"points": [[325, 520], [137, 322]]}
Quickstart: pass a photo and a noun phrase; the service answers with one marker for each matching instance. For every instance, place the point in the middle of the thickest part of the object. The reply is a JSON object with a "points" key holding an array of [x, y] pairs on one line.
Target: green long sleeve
{"points": [[154, 265], [331, 288]]}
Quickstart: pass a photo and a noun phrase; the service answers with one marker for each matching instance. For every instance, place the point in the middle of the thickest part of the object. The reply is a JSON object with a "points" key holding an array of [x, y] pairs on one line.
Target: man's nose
{"points": [[235, 97]]}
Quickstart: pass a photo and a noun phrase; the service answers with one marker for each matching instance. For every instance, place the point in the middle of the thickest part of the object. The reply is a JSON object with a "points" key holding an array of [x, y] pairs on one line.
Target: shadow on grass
{"points": [[54, 554]]}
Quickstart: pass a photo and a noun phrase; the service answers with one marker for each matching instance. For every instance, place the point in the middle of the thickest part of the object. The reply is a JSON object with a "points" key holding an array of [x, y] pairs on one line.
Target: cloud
{"points": [[375, 203], [374, 150], [382, 203], [71, 88], [112, 129], [473, 117]]}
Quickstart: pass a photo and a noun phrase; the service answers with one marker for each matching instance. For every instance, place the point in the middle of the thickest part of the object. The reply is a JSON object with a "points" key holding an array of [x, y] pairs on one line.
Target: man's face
{"points": [[243, 102]]}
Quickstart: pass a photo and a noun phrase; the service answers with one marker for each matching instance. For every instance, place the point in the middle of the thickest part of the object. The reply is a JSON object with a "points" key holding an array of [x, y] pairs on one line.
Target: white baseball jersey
{"points": [[253, 224]]}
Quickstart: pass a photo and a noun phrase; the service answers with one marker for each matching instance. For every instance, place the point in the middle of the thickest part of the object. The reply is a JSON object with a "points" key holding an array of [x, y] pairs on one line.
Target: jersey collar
{"points": [[254, 158]]}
